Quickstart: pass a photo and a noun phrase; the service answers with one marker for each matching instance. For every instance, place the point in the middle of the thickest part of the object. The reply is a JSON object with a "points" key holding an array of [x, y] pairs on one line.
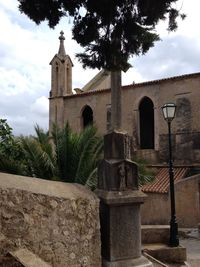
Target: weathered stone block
{"points": [[117, 145], [116, 174]]}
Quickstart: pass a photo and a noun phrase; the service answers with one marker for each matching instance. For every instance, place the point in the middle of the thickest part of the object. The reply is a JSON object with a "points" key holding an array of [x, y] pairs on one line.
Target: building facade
{"points": [[141, 110]]}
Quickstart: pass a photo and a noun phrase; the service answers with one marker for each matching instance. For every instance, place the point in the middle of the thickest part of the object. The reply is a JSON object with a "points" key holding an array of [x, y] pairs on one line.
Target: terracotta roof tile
{"points": [[161, 182]]}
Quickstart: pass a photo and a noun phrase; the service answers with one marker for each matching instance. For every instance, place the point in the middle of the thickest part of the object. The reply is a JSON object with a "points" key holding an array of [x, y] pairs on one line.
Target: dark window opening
{"points": [[56, 85], [87, 116], [146, 111]]}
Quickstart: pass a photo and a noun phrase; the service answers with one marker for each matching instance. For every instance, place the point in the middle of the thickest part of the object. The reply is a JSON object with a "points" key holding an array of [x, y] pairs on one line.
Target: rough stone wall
{"points": [[156, 209], [59, 222], [185, 127]]}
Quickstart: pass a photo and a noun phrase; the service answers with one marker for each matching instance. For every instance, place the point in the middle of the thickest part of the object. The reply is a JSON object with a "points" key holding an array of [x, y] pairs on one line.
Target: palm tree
{"points": [[65, 156]]}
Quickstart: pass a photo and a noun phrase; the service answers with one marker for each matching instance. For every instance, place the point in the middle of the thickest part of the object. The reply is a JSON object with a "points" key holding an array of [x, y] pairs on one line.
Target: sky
{"points": [[26, 50]]}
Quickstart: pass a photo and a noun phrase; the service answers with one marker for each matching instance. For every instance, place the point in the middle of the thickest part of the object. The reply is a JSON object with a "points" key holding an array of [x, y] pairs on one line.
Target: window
{"points": [[146, 120], [56, 79], [87, 116]]}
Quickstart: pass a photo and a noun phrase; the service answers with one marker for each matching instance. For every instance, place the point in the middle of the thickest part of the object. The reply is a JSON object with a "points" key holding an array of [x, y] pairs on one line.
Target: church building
{"points": [[141, 110]]}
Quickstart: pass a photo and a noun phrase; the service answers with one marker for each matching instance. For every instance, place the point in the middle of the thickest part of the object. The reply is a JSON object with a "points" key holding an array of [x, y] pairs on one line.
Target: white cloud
{"points": [[41, 106]]}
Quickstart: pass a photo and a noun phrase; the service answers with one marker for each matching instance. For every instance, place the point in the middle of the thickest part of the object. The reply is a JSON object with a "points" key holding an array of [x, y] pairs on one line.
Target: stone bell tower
{"points": [[61, 71], [61, 84]]}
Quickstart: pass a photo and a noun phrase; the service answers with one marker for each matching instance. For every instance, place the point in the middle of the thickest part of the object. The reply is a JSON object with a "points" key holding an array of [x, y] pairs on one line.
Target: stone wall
{"points": [[156, 209], [59, 222]]}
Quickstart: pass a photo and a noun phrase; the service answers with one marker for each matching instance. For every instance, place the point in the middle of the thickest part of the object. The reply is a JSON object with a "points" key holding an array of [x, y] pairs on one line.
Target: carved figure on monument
{"points": [[122, 177], [117, 174], [128, 176]]}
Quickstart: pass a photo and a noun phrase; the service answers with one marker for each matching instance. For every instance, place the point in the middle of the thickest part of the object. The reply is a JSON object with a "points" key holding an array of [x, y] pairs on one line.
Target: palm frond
{"points": [[91, 181], [41, 136], [64, 143], [39, 163], [145, 175], [90, 146]]}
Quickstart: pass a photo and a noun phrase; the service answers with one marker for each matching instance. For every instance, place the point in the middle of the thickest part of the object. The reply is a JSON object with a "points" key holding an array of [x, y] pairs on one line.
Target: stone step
{"points": [[159, 263], [165, 253]]}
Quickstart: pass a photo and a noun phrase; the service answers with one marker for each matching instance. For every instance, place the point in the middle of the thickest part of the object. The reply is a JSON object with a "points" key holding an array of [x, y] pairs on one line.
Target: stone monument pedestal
{"points": [[138, 262], [120, 200], [120, 228]]}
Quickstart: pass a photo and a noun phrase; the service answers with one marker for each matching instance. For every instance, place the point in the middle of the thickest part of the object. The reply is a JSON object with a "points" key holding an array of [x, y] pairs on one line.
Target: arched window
{"points": [[146, 114], [56, 79], [87, 116]]}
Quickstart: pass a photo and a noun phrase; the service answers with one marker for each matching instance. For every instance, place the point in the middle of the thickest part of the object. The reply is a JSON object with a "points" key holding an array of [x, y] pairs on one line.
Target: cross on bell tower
{"points": [[61, 50]]}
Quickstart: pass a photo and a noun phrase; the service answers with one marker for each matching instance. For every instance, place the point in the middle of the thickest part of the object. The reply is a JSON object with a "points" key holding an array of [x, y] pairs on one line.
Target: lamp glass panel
{"points": [[164, 109], [169, 111]]}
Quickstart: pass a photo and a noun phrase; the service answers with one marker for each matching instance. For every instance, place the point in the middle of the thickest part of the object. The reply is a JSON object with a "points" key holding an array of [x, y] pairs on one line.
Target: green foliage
{"points": [[10, 165], [6, 137], [145, 174], [38, 160], [11, 153], [77, 155], [9, 145], [109, 30], [66, 156]]}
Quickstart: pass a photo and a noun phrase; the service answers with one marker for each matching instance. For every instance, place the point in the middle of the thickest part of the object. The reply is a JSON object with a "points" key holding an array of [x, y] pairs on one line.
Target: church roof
{"points": [[99, 78], [135, 85]]}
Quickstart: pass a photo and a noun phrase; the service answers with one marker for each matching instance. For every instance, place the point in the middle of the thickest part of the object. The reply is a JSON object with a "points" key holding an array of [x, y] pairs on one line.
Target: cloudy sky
{"points": [[27, 49]]}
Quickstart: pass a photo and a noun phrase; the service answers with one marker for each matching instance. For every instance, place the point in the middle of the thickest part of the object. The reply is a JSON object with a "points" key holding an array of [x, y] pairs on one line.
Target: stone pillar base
{"points": [[138, 262]]}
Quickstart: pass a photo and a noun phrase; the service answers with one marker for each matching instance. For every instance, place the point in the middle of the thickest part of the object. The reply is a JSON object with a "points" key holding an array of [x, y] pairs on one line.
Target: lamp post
{"points": [[169, 111]]}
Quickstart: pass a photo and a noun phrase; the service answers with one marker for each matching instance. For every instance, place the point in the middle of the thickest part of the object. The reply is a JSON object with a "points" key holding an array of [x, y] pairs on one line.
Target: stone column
{"points": [[120, 200], [116, 100]]}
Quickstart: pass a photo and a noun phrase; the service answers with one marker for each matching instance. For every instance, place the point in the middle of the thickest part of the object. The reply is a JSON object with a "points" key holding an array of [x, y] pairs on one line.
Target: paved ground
{"points": [[192, 244], [189, 238]]}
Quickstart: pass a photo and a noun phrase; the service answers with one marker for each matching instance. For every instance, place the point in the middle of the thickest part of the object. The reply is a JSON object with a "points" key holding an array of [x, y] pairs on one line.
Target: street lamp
{"points": [[169, 111]]}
